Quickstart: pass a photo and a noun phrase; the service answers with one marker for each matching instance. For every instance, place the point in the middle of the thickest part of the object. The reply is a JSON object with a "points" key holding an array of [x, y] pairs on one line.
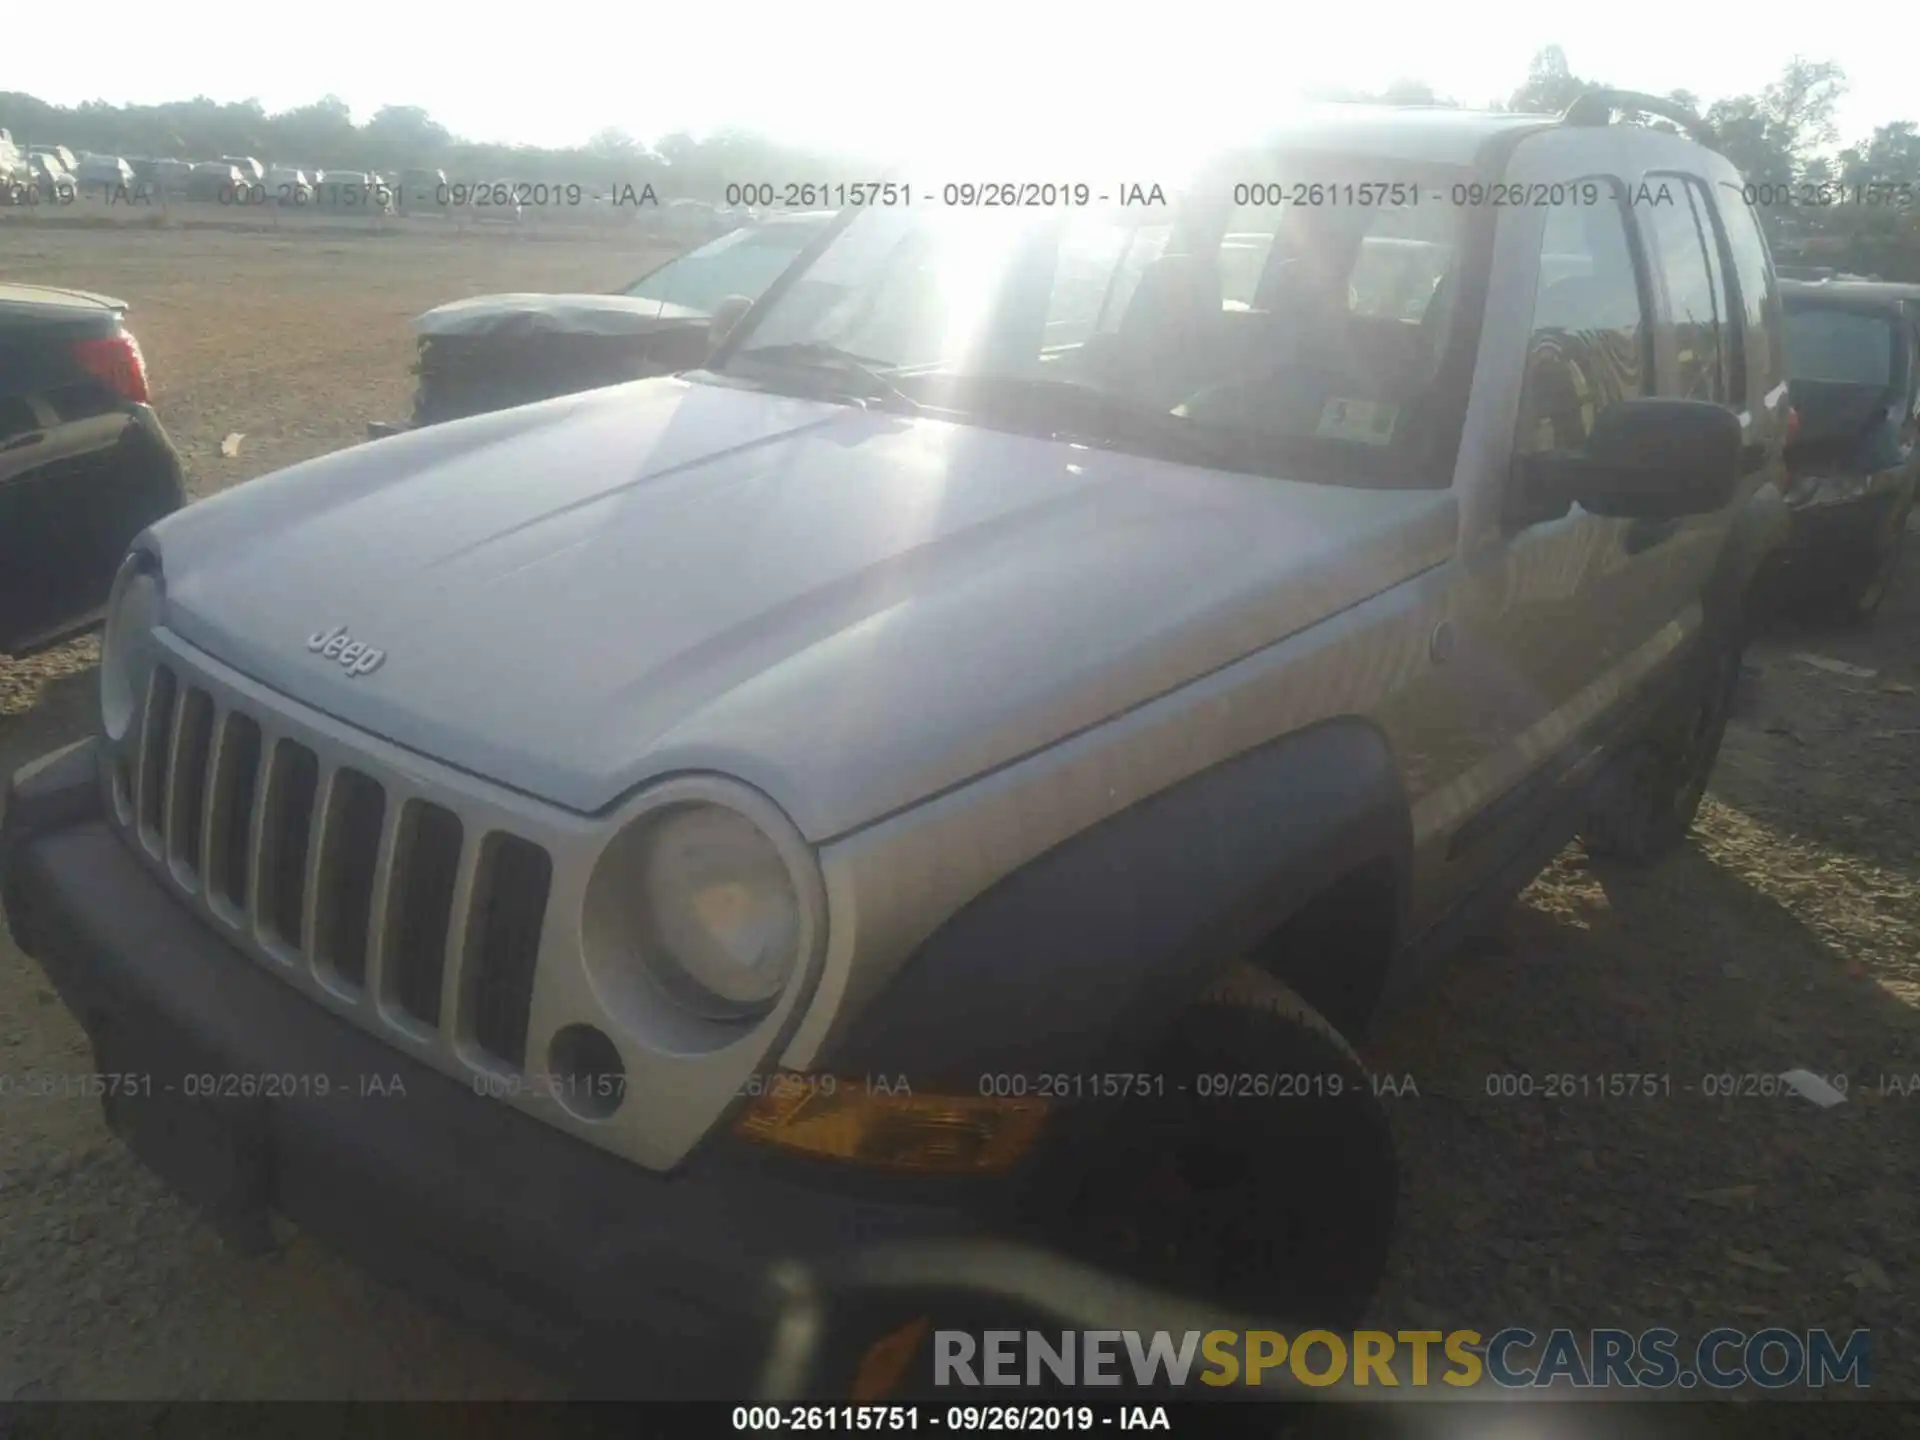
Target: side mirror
{"points": [[1646, 460], [726, 315]]}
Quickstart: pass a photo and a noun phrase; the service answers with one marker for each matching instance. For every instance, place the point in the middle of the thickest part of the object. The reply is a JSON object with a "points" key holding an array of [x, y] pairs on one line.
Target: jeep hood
{"points": [[849, 610]]}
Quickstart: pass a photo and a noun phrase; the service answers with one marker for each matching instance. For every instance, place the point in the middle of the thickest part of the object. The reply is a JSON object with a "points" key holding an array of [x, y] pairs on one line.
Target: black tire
{"points": [[1278, 1204], [1645, 803]]}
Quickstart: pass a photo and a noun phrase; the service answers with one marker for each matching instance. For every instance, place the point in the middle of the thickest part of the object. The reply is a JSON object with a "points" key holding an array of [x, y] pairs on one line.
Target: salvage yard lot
{"points": [[1784, 936]]}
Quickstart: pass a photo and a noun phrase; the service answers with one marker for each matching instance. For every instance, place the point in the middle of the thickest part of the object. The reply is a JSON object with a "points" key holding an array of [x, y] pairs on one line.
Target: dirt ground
{"points": [[1784, 936]]}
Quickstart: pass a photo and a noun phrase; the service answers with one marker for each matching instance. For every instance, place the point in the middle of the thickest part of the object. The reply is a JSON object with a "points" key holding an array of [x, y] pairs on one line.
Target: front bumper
{"points": [[650, 1284]]}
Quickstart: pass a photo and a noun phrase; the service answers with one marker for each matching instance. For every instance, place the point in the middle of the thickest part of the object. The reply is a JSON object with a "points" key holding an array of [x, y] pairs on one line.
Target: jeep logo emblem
{"points": [[355, 656]]}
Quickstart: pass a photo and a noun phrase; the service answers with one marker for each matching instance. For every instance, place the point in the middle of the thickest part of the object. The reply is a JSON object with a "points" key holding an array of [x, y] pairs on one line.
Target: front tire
{"points": [[1261, 1174]]}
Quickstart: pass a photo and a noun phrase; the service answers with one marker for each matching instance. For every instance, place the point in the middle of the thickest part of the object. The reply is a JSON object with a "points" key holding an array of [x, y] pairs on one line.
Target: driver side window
{"points": [[1588, 342]]}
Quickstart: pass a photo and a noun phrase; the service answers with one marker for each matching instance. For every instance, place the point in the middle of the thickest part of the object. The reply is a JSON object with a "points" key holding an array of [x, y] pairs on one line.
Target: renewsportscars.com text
{"points": [[1511, 1358]]}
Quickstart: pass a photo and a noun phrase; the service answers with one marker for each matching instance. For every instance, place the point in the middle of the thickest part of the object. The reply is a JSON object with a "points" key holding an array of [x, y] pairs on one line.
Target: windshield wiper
{"points": [[819, 357]]}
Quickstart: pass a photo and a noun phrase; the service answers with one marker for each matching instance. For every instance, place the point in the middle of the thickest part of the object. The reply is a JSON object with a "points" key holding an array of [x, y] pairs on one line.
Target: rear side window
{"points": [[1682, 242], [1846, 346], [1753, 276], [1587, 347], [1733, 368]]}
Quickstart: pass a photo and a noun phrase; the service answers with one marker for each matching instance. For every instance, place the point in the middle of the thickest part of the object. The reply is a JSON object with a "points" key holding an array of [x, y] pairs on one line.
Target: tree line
{"points": [[1783, 139]]}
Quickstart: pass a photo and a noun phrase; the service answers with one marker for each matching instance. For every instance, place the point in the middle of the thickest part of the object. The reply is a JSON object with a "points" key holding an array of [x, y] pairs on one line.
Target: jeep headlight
{"points": [[134, 608], [710, 909]]}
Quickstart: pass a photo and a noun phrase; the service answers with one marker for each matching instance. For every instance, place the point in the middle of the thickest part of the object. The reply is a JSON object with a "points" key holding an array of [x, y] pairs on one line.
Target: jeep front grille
{"points": [[385, 899]]}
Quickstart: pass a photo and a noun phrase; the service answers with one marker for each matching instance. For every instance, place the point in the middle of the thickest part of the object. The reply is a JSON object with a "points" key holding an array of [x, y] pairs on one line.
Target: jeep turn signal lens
{"points": [[852, 1120]]}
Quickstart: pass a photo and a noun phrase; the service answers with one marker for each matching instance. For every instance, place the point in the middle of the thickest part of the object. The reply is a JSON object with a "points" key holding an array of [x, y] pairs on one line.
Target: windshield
{"points": [[743, 262], [1308, 339], [1825, 343]]}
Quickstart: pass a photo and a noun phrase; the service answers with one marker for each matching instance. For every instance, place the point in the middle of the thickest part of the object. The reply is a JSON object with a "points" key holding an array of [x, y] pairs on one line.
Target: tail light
{"points": [[1793, 423], [116, 362]]}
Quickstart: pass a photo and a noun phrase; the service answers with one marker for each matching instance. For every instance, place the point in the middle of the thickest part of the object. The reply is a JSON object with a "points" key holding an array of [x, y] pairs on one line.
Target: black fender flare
{"points": [[1076, 963]]}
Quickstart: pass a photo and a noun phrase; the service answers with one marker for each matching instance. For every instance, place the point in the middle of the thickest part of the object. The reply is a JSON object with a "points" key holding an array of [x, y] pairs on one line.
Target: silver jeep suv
{"points": [[970, 760]]}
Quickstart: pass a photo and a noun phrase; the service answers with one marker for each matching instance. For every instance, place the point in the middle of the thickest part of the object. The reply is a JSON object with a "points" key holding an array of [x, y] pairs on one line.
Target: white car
{"points": [[288, 185], [968, 760]]}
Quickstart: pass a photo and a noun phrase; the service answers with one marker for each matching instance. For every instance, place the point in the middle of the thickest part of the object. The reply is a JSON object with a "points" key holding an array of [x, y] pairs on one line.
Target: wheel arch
{"points": [[1077, 962]]}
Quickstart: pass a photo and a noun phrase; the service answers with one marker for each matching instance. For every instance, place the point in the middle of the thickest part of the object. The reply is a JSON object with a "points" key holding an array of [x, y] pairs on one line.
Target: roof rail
{"points": [[1597, 107]]}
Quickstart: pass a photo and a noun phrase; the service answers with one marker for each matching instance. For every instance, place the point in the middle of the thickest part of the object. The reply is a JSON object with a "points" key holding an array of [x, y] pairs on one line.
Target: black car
{"points": [[1853, 362], [84, 463], [491, 352]]}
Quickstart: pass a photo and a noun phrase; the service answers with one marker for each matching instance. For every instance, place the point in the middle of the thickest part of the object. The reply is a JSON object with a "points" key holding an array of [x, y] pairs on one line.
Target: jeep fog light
{"points": [[719, 920], [891, 1129], [133, 610]]}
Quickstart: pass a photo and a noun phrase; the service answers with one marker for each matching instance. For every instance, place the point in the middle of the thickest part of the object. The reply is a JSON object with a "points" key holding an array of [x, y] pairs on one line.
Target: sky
{"points": [[882, 78]]}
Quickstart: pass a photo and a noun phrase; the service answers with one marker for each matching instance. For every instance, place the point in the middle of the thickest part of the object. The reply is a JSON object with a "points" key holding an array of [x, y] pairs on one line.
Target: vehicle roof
{"points": [[1440, 134], [1447, 135], [1882, 295]]}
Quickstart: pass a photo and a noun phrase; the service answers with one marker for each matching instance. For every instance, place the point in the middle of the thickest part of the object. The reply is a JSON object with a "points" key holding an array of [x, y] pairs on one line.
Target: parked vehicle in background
{"points": [[422, 192], [104, 176], [1853, 362], [249, 167], [688, 221], [84, 462], [350, 190], [61, 153], [213, 182], [173, 176], [39, 178], [495, 351], [16, 176], [288, 185]]}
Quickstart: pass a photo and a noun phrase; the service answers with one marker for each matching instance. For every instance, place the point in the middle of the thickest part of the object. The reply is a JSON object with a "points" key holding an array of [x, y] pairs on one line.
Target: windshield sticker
{"points": [[1367, 422]]}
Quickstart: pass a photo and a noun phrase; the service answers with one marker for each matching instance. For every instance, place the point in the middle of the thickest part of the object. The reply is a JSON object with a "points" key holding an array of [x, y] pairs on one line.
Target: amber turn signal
{"points": [[891, 1129]]}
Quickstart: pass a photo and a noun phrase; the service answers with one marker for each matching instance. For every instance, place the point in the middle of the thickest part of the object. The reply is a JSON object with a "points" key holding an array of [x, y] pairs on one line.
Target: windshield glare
{"points": [[1311, 335]]}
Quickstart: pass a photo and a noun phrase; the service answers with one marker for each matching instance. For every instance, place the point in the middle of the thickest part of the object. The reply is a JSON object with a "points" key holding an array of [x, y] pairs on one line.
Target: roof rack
{"points": [[1597, 107]]}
